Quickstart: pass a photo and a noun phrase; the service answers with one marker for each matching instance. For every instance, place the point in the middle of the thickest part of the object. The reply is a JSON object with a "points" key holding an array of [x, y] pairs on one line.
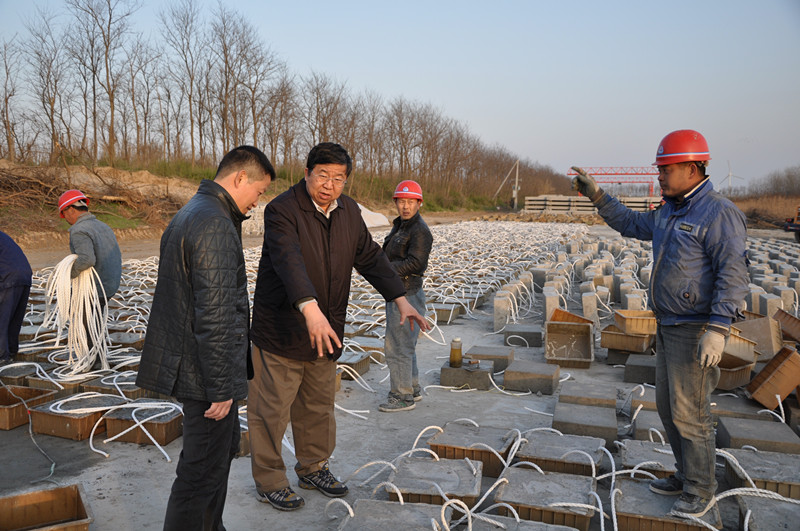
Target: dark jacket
{"points": [[306, 255], [408, 246], [196, 343], [15, 270], [96, 246]]}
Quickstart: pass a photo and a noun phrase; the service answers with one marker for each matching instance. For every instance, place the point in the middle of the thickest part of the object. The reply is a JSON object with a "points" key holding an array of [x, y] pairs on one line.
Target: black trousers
{"points": [[13, 303], [198, 494]]}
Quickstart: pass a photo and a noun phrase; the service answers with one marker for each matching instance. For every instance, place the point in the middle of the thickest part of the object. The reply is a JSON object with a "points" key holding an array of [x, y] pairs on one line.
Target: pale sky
{"points": [[558, 82]]}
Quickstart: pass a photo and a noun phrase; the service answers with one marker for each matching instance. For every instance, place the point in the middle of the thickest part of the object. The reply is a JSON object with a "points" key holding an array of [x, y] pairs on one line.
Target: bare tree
{"points": [[11, 57], [46, 58], [183, 31], [142, 62], [280, 112], [320, 105], [111, 18]]}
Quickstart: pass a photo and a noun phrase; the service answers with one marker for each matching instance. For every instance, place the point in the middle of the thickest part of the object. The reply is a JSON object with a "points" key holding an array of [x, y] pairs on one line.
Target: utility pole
{"points": [[516, 187]]}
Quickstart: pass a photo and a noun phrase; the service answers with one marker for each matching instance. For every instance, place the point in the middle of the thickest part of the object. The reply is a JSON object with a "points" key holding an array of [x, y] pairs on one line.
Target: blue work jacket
{"points": [[699, 254]]}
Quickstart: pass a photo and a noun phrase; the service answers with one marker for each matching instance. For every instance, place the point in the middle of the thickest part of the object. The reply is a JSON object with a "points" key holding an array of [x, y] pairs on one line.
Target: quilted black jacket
{"points": [[196, 345], [408, 246], [307, 255]]}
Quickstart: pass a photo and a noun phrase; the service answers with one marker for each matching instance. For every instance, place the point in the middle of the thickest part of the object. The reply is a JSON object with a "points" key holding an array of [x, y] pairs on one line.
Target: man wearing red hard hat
{"points": [[407, 246], [93, 241], [697, 288]]}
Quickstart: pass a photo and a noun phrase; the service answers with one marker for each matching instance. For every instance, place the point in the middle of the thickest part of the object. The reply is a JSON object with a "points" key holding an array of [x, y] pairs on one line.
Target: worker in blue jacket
{"points": [[697, 287], [15, 286]]}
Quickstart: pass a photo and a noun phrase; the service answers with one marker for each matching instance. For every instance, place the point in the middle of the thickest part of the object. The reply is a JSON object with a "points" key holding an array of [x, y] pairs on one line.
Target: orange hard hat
{"points": [[683, 145], [69, 197], [408, 189]]}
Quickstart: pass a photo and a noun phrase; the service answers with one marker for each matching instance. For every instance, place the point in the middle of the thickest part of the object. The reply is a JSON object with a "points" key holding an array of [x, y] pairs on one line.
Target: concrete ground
{"points": [[129, 489]]}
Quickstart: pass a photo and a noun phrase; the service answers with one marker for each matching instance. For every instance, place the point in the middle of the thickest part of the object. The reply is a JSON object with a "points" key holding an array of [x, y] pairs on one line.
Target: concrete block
{"points": [[634, 452], [592, 394], [767, 514], [501, 356], [766, 435], [772, 471], [539, 277], [751, 298], [587, 287], [523, 375], [527, 335], [645, 420], [646, 400], [769, 304], [634, 302], [472, 375], [644, 275], [640, 369], [625, 289], [548, 449], [603, 294], [617, 357], [526, 278], [393, 516], [638, 508], [502, 309], [786, 294], [729, 406], [551, 302], [591, 421], [589, 307]]}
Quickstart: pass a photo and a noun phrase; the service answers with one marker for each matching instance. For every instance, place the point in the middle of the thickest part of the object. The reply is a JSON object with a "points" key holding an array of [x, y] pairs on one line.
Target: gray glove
{"points": [[710, 348], [584, 183]]}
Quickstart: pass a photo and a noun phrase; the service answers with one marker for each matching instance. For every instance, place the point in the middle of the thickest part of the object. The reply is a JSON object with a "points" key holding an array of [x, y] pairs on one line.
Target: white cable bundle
{"points": [[77, 301]]}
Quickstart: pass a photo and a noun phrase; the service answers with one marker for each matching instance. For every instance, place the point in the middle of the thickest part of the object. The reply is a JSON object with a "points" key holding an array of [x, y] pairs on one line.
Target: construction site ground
{"points": [[129, 489]]}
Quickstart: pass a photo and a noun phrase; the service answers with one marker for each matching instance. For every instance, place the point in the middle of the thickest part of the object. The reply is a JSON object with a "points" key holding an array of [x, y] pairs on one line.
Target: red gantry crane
{"points": [[621, 174]]}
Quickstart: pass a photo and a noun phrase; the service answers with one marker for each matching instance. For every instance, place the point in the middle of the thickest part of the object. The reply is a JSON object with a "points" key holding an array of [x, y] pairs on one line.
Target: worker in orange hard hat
{"points": [[697, 288], [408, 246], [93, 241]]}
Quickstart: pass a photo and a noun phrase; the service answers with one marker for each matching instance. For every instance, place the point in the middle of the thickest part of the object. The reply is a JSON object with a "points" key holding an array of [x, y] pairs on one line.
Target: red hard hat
{"points": [[408, 189], [684, 145], [69, 197]]}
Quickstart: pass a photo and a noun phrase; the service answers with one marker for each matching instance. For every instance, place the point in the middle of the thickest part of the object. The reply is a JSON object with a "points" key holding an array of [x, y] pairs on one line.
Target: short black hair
{"points": [[329, 153], [246, 158]]}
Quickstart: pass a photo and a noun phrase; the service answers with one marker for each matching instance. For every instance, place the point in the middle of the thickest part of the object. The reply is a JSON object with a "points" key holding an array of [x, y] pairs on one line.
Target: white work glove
{"points": [[584, 183], [710, 348]]}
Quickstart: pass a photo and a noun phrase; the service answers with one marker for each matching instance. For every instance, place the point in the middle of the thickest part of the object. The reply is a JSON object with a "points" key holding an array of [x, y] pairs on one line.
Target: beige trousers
{"points": [[285, 390]]}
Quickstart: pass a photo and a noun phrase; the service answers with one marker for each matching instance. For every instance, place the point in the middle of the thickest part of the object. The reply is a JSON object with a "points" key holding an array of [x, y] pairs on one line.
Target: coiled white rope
{"points": [[76, 302]]}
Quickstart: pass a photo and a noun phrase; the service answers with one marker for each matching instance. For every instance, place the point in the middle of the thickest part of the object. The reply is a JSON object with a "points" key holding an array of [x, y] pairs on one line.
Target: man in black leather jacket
{"points": [[196, 347], [407, 246]]}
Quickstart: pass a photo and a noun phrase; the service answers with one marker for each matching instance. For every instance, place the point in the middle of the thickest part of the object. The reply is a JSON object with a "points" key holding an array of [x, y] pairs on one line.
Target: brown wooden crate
{"points": [[56, 509], [12, 410]]}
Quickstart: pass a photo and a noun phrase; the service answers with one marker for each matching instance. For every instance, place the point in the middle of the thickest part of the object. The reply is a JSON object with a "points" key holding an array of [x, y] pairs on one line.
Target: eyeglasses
{"points": [[324, 179]]}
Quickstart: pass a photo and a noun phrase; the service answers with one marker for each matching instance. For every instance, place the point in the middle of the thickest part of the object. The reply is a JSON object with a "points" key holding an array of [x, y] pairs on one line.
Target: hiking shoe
{"points": [[323, 481], [417, 395], [284, 500], [397, 404], [670, 486], [692, 505]]}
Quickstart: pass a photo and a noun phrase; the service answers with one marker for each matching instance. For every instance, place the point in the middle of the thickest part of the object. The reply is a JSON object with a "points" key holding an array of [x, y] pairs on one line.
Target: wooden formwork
{"points": [[12, 409], [75, 426], [164, 429], [19, 375], [779, 377], [636, 321], [457, 441], [131, 392], [55, 509], [358, 361]]}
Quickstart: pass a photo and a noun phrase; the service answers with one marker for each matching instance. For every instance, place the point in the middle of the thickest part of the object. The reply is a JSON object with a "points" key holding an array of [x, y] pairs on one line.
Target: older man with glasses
{"points": [[313, 238]]}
